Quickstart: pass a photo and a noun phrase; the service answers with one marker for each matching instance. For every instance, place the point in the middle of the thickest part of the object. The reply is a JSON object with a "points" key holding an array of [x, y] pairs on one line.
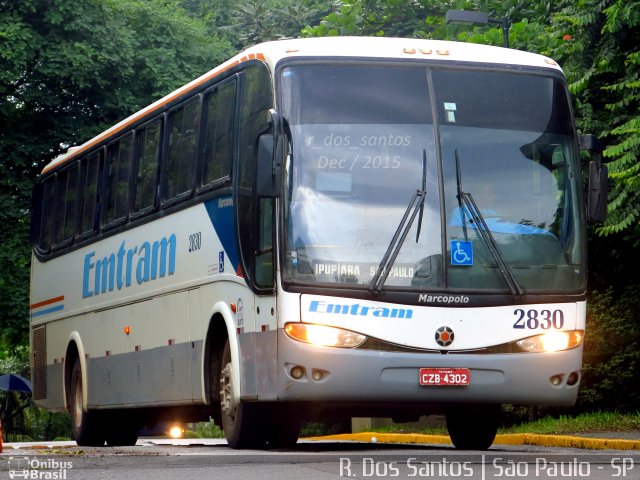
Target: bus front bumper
{"points": [[358, 375]]}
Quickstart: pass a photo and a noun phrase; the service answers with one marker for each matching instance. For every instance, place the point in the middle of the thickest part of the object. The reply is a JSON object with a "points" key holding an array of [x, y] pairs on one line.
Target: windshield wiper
{"points": [[467, 203], [415, 207]]}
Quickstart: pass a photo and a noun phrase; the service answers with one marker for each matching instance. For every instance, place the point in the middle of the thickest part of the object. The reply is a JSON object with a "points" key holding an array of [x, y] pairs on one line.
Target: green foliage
{"points": [[611, 352], [602, 62], [204, 430], [425, 19], [254, 21], [583, 423], [32, 423], [68, 70]]}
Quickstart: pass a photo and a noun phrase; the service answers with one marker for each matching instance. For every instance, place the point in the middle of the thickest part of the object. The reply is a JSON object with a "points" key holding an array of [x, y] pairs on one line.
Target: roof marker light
{"points": [[442, 52], [426, 51], [550, 62], [409, 50]]}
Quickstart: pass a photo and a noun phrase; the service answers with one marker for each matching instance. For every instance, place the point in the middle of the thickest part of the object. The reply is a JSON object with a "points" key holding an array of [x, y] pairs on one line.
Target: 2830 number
{"points": [[533, 319]]}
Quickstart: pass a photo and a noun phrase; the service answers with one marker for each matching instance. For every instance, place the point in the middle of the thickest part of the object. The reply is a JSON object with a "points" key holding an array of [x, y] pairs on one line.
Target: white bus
{"points": [[317, 228]]}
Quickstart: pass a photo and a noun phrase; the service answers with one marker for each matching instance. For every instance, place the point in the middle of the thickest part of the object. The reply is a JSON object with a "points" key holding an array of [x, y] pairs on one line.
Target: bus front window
{"points": [[359, 133], [359, 136], [513, 138]]}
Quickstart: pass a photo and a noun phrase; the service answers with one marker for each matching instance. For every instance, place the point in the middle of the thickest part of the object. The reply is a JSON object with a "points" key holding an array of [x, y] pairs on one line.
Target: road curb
{"points": [[563, 441]]}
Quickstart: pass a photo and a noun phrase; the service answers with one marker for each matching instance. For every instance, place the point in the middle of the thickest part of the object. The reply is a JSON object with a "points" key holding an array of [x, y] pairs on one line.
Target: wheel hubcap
{"points": [[227, 403], [77, 403]]}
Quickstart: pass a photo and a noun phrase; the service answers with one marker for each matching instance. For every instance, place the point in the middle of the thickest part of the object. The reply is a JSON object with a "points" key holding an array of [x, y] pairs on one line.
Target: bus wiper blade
{"points": [[466, 202], [424, 189], [416, 205]]}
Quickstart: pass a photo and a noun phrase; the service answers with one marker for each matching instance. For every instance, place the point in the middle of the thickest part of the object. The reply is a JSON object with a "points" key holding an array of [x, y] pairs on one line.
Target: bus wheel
{"points": [[473, 427], [85, 426], [282, 432], [240, 422], [121, 429]]}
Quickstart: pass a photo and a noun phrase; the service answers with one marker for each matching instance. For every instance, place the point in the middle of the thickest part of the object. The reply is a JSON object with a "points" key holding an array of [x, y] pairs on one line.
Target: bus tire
{"points": [[282, 432], [86, 427], [240, 420], [473, 427], [122, 430]]}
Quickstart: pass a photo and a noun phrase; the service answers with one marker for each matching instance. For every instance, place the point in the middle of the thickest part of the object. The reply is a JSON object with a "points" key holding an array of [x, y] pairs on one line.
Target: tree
{"points": [[602, 61], [425, 19], [69, 69], [255, 21]]}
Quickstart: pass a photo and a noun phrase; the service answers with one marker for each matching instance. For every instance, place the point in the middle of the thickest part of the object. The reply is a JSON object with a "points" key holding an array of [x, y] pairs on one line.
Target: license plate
{"points": [[445, 377]]}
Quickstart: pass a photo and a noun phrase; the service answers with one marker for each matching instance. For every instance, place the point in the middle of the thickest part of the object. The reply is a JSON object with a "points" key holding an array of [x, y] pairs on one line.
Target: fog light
{"points": [[297, 372], [574, 377], [552, 341], [317, 375], [556, 380], [176, 432]]}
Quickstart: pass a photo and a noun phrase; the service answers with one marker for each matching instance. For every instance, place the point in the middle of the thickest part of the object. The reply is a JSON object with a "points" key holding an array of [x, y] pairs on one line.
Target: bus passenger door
{"points": [[266, 319]]}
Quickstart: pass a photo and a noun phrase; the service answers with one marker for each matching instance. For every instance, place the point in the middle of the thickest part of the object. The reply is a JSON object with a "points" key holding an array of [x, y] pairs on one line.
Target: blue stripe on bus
{"points": [[57, 308], [220, 211]]}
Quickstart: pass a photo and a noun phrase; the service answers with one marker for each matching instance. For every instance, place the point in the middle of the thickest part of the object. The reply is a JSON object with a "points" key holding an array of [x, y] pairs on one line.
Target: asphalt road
{"points": [[212, 459]]}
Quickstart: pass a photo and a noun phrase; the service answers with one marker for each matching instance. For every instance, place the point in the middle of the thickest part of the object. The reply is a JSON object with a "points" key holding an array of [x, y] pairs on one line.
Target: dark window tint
{"points": [[47, 210], [119, 173], [90, 169], [218, 146], [148, 148], [321, 94], [182, 148], [501, 101], [66, 204], [256, 100]]}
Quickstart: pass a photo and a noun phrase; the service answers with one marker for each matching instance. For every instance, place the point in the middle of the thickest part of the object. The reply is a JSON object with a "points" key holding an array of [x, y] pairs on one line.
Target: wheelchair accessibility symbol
{"points": [[461, 253]]}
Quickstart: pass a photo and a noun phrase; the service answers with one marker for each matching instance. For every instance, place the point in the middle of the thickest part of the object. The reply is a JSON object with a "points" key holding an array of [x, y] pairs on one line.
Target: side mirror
{"points": [[597, 193], [270, 157], [598, 180]]}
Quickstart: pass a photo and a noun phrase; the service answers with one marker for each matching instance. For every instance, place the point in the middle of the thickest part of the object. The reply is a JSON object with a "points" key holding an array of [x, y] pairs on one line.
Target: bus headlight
{"points": [[322, 335], [552, 341]]}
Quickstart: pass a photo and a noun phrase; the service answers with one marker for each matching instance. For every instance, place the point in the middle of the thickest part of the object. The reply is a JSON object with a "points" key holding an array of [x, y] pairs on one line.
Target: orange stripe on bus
{"points": [[48, 302], [160, 103]]}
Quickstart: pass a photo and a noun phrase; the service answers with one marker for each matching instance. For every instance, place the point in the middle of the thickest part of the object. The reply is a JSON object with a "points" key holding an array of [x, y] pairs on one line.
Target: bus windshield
{"points": [[364, 139]]}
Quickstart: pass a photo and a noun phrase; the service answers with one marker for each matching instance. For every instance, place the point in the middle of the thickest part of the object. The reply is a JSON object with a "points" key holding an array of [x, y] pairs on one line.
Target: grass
{"points": [[564, 424], [583, 423]]}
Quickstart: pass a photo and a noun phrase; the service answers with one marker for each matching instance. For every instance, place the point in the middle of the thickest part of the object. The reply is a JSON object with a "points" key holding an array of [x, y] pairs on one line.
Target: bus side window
{"points": [[47, 214], [147, 154], [118, 176], [253, 121], [65, 206], [218, 141], [182, 147], [90, 169]]}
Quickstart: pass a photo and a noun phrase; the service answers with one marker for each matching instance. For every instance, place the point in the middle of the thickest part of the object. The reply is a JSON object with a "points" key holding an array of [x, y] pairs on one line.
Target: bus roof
{"points": [[397, 48], [332, 47]]}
